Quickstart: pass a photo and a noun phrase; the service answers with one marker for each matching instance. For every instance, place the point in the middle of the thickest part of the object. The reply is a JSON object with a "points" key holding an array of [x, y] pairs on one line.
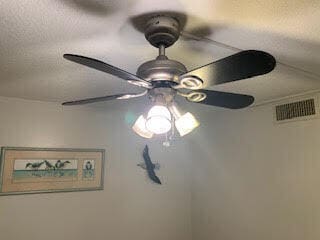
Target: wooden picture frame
{"points": [[44, 170]]}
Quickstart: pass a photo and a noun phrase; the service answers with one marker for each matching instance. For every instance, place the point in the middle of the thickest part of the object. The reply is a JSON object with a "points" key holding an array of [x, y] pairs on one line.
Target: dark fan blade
{"points": [[150, 166], [104, 98], [104, 67], [239, 66], [225, 99]]}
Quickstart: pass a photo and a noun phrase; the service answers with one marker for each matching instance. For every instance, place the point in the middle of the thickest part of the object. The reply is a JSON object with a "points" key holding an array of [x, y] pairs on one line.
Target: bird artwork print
{"points": [[34, 166], [60, 165]]}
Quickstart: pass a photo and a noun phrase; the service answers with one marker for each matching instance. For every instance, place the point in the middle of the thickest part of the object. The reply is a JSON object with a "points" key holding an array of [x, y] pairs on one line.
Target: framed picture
{"points": [[43, 170]]}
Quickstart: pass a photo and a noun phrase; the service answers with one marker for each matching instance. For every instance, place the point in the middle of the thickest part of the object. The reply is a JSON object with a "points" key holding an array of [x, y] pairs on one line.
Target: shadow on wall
{"points": [[96, 7]]}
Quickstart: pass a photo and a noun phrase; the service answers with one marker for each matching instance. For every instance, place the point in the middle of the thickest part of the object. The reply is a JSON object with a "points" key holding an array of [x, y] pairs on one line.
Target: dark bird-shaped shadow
{"points": [[149, 166]]}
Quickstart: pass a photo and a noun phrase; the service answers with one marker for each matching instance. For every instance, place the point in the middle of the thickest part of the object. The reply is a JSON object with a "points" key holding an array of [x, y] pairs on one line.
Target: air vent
{"points": [[296, 110]]}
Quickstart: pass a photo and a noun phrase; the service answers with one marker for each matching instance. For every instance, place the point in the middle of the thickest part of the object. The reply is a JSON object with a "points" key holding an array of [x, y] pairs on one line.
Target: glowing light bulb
{"points": [[186, 123], [158, 120]]}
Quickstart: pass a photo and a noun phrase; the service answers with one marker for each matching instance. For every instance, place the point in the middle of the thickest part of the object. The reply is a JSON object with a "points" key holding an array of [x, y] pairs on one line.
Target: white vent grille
{"points": [[295, 110]]}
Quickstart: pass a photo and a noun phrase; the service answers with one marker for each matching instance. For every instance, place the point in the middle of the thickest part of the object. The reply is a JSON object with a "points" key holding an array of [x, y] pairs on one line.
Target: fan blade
{"points": [[239, 66], [107, 68], [104, 98], [223, 99]]}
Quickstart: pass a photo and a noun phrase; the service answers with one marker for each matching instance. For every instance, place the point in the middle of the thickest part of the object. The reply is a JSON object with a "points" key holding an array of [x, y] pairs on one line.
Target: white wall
{"points": [[130, 207], [251, 179], [254, 179]]}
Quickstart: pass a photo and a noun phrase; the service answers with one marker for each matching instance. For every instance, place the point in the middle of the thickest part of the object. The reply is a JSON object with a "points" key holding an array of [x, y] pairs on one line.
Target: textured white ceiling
{"points": [[36, 33]]}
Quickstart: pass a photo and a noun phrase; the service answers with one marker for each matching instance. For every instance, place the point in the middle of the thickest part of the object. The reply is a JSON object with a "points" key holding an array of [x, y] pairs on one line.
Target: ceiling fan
{"points": [[164, 79]]}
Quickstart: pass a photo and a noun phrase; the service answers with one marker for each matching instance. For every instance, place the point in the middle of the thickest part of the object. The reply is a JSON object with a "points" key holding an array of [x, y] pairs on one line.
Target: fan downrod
{"points": [[162, 30]]}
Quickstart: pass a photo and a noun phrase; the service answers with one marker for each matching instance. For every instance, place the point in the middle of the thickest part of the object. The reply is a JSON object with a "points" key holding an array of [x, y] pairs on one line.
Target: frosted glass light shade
{"points": [[139, 127], [158, 120], [186, 123]]}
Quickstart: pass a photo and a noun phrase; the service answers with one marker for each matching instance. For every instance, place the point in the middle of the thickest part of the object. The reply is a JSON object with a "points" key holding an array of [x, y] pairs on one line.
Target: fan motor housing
{"points": [[162, 95], [162, 30], [161, 69]]}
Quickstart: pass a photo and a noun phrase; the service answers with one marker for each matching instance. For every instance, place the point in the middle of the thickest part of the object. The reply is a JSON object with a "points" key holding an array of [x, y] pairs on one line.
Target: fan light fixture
{"points": [[159, 121]]}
